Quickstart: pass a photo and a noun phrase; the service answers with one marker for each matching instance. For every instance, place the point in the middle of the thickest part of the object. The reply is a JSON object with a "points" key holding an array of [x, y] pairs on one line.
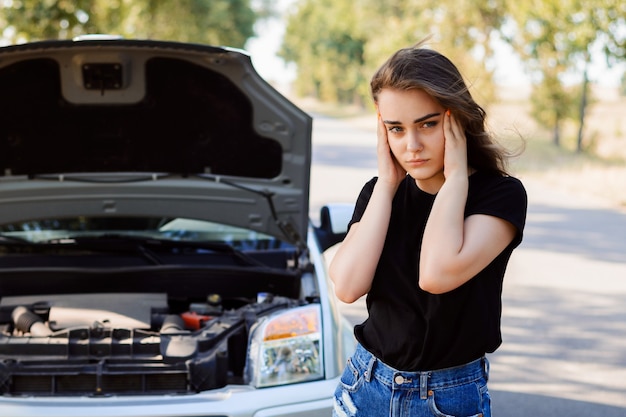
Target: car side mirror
{"points": [[334, 219]]}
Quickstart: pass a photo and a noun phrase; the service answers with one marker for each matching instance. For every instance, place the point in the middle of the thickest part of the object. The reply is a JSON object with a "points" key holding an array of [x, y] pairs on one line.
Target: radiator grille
{"points": [[99, 385]]}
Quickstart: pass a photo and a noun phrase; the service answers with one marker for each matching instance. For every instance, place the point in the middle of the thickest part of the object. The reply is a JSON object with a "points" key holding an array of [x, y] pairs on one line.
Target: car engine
{"points": [[125, 343]]}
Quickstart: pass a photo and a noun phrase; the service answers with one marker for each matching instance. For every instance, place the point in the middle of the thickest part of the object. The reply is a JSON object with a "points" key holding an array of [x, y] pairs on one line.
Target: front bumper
{"points": [[309, 399]]}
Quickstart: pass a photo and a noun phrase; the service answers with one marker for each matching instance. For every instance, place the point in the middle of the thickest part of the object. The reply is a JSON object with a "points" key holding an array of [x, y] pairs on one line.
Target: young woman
{"points": [[428, 243]]}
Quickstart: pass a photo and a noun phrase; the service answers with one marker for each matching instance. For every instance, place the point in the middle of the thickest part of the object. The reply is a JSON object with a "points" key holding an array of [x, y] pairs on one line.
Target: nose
{"points": [[413, 143]]}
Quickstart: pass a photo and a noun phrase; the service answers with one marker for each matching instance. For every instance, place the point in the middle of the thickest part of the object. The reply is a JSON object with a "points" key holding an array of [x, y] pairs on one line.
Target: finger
{"points": [[381, 130], [447, 126], [454, 129]]}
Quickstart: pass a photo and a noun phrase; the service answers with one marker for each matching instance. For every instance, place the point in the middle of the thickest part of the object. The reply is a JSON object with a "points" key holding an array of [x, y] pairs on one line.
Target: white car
{"points": [[156, 254]]}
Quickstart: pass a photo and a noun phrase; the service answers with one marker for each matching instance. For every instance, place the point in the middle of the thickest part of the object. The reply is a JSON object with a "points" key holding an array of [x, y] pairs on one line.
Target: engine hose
{"points": [[172, 324], [29, 322]]}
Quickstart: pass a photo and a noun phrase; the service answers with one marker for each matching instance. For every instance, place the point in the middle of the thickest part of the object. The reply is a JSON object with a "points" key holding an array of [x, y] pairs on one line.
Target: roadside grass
{"points": [[585, 174]]}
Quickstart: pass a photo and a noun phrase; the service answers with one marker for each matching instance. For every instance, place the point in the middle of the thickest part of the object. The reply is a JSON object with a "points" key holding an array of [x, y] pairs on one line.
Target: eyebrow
{"points": [[421, 119]]}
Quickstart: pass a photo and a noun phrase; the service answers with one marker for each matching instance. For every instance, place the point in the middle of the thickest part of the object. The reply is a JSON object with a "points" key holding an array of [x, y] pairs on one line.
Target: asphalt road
{"points": [[564, 315]]}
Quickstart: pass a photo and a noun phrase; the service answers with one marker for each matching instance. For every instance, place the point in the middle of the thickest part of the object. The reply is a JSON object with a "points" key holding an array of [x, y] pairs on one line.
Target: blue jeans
{"points": [[368, 387]]}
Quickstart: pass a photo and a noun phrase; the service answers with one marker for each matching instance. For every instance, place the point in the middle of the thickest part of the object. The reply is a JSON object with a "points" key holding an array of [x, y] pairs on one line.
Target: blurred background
{"points": [[551, 75]]}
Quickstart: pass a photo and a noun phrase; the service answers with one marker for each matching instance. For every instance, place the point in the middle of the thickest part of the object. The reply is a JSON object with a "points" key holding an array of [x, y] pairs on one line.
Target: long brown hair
{"points": [[428, 70]]}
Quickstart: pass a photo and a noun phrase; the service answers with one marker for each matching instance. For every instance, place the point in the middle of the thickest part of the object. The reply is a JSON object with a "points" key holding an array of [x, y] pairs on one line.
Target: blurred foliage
{"points": [[328, 51], [338, 44], [555, 39], [217, 22]]}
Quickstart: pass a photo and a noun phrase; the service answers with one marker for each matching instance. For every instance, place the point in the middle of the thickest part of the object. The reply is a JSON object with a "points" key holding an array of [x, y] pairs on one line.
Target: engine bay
{"points": [[126, 343]]}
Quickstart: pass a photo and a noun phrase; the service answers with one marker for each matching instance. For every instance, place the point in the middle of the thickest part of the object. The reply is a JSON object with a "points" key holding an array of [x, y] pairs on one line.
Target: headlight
{"points": [[285, 348]]}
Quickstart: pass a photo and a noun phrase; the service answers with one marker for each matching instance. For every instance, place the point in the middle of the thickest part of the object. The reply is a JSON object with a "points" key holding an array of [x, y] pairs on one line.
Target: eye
{"points": [[430, 123], [395, 129]]}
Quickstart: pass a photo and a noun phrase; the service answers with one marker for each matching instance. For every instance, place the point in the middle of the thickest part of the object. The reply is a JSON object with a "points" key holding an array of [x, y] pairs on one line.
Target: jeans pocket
{"points": [[486, 401], [467, 400], [351, 377], [350, 382]]}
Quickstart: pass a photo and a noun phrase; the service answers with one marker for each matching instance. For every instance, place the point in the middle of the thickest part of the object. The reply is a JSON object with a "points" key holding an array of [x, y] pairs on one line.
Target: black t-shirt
{"points": [[411, 329]]}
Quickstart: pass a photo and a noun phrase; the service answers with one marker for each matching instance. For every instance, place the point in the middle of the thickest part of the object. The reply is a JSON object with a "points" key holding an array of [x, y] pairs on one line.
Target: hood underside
{"points": [[122, 128]]}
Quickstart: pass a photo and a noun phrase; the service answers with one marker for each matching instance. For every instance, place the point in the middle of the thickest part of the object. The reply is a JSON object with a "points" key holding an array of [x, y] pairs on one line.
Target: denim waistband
{"points": [[422, 380]]}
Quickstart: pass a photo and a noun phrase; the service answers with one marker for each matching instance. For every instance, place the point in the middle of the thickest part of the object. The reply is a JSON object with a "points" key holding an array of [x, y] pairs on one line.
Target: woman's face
{"points": [[414, 124]]}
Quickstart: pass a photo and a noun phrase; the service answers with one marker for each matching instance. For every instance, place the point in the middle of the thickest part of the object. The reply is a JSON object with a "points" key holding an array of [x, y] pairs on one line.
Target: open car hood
{"points": [[126, 127]]}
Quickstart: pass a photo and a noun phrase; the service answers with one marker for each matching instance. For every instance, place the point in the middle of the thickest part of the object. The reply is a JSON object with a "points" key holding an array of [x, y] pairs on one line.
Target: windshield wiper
{"points": [[146, 246], [104, 177], [13, 240], [286, 227]]}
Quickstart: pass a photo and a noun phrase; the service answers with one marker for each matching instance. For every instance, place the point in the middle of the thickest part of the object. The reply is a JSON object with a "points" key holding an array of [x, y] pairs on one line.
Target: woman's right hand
{"points": [[389, 169]]}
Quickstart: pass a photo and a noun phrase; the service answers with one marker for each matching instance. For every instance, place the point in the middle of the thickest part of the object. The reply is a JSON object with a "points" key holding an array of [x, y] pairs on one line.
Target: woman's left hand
{"points": [[455, 151]]}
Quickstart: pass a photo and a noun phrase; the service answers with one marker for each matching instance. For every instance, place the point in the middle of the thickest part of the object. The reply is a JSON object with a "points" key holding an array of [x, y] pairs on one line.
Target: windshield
{"points": [[181, 229]]}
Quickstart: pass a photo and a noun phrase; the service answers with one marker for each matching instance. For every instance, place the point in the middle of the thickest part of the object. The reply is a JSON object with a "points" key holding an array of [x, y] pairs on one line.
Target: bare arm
{"points": [[353, 266], [455, 249]]}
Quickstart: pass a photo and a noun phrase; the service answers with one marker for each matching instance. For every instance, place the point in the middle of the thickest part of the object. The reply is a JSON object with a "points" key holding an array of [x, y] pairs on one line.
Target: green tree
{"points": [[465, 30], [555, 39], [328, 50], [220, 22], [337, 44], [552, 104]]}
